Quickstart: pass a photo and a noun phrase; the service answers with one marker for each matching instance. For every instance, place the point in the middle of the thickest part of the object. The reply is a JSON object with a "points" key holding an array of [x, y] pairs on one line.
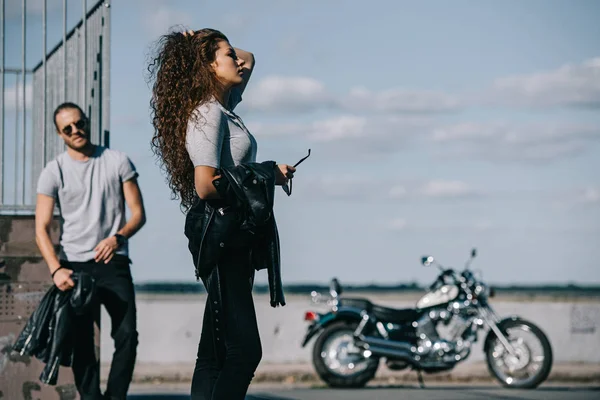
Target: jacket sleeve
{"points": [[277, 297], [33, 340]]}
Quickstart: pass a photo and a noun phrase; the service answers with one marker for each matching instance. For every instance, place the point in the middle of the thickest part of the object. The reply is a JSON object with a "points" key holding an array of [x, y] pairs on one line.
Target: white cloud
{"points": [[347, 187], [576, 198], [287, 94], [474, 226], [399, 101], [590, 195], [302, 94], [574, 85], [353, 187], [512, 142], [445, 189], [397, 224], [276, 130], [343, 127], [10, 99], [376, 135], [466, 131]]}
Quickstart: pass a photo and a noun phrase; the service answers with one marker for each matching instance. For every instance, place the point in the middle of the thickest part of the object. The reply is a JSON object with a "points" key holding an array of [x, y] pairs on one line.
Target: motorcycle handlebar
{"points": [[441, 279]]}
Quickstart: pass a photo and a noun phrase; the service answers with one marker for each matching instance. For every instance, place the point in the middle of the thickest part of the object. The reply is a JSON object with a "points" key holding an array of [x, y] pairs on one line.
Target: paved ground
{"points": [[433, 392]]}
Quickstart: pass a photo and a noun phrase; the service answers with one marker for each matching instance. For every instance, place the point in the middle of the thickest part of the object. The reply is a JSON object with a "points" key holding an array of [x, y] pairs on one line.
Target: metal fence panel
{"points": [[75, 70]]}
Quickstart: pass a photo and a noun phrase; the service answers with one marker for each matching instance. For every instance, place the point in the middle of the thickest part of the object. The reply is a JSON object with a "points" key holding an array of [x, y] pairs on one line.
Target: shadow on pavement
{"points": [[258, 396], [481, 387]]}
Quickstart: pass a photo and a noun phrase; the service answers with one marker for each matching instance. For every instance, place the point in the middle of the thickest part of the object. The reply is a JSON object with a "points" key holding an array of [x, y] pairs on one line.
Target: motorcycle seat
{"points": [[393, 315], [356, 302], [384, 314]]}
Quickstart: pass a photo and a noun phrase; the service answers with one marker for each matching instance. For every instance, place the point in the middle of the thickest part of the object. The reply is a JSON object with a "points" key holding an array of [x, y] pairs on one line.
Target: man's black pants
{"points": [[114, 289]]}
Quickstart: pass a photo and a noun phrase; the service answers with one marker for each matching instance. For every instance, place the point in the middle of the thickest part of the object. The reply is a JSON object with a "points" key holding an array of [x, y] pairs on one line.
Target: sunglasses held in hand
{"points": [[288, 188]]}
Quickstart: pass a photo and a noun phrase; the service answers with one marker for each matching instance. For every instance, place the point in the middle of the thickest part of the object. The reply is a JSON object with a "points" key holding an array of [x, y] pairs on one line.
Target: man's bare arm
{"points": [[105, 250], [44, 211], [135, 203]]}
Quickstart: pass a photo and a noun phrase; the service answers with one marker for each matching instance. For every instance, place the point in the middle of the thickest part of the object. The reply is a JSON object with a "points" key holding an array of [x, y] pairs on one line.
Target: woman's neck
{"points": [[223, 96]]}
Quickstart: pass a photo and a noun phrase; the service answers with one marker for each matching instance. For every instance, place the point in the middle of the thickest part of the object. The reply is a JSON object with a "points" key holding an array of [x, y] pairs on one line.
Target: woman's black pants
{"points": [[230, 348]]}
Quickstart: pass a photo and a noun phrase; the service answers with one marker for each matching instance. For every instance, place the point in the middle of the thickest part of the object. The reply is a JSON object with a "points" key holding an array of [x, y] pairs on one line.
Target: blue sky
{"points": [[434, 126]]}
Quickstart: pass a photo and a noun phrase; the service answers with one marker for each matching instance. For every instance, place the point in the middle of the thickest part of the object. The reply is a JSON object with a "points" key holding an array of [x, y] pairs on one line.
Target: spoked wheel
{"points": [[338, 361], [531, 361]]}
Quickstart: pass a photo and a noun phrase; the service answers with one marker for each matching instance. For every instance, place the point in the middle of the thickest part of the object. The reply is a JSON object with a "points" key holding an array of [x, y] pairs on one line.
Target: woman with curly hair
{"points": [[198, 79]]}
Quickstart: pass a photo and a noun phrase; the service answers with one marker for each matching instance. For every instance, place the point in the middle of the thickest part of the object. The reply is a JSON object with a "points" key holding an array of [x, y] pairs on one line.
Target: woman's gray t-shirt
{"points": [[218, 137]]}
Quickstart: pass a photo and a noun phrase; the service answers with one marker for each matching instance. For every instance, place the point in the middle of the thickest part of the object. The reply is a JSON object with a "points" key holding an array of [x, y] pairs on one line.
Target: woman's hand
{"points": [[283, 173]]}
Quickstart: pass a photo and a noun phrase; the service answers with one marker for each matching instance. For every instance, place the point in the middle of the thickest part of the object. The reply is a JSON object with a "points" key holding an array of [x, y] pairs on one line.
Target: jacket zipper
{"points": [[26, 343]]}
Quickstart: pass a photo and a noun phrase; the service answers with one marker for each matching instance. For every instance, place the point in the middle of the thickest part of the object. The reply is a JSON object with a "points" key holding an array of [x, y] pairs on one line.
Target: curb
{"points": [[304, 374]]}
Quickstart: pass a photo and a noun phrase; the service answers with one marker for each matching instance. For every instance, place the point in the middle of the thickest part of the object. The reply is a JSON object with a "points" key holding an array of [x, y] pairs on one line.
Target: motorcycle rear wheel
{"points": [[335, 346], [514, 372]]}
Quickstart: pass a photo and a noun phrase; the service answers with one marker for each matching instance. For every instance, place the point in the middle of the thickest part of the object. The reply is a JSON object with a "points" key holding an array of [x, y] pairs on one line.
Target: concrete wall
{"points": [[24, 278], [169, 328]]}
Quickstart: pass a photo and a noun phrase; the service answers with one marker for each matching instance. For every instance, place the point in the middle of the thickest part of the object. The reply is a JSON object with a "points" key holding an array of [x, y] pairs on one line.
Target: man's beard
{"points": [[80, 146]]}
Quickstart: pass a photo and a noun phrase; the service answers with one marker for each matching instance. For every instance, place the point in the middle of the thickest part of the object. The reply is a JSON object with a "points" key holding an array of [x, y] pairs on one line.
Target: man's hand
{"points": [[62, 279], [106, 250], [283, 172]]}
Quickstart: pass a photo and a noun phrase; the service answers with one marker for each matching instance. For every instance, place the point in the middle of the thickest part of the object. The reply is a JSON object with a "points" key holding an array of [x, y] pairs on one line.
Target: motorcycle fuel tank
{"points": [[442, 295]]}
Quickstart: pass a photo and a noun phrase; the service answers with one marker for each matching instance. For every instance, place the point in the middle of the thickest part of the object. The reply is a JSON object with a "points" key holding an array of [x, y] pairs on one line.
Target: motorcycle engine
{"points": [[439, 335], [426, 326]]}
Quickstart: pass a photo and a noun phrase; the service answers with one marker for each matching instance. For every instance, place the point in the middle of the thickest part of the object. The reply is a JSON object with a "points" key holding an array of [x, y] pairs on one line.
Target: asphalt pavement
{"points": [[445, 392]]}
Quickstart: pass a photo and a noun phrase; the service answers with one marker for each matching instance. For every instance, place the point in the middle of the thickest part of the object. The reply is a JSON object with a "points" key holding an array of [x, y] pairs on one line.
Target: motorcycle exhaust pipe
{"points": [[374, 341], [392, 353]]}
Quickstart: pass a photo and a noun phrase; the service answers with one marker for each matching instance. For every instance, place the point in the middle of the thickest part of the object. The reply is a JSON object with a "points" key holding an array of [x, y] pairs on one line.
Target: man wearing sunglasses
{"points": [[91, 185]]}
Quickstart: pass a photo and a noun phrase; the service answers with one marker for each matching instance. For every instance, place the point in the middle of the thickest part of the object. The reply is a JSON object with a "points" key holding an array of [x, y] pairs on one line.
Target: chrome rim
{"points": [[341, 356], [525, 364]]}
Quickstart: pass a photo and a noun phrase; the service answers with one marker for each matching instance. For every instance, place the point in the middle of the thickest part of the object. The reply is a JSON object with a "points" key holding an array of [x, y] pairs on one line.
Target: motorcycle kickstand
{"points": [[420, 377]]}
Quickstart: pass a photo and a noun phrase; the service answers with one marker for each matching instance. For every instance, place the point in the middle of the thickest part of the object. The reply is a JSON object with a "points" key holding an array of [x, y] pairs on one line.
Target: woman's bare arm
{"points": [[249, 62], [203, 179]]}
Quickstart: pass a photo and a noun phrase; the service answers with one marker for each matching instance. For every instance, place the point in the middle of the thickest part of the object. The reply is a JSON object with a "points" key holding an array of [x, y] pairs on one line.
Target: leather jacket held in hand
{"points": [[47, 335], [243, 215]]}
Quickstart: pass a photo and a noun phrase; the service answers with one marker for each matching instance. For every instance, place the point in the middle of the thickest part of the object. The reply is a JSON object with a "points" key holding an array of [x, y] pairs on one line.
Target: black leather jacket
{"points": [[47, 335], [243, 214]]}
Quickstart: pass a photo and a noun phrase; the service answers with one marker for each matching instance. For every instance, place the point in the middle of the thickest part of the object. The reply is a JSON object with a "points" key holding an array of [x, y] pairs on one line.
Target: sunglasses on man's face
{"points": [[79, 125], [287, 188]]}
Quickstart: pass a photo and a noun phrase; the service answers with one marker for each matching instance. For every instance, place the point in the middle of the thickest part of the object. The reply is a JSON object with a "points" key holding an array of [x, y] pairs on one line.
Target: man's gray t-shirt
{"points": [[218, 137], [89, 196]]}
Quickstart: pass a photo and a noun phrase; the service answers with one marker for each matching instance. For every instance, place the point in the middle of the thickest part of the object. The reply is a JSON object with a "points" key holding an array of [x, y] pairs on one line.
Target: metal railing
{"points": [[76, 69]]}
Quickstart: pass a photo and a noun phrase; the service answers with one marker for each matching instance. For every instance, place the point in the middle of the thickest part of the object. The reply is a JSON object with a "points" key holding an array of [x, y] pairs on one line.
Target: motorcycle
{"points": [[436, 335]]}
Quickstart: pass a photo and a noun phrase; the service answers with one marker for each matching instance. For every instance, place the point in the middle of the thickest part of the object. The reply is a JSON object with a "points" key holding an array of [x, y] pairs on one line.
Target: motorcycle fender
{"points": [[328, 319], [491, 335]]}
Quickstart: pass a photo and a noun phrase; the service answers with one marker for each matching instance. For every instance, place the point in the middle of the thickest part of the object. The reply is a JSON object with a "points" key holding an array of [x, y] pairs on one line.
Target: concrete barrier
{"points": [[169, 329]]}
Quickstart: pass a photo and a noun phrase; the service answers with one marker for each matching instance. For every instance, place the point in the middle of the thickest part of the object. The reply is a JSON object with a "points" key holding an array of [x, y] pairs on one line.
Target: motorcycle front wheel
{"points": [[531, 362], [338, 361]]}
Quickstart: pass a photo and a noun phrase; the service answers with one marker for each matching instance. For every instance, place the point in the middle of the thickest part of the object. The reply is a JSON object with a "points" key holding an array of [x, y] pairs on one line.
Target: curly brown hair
{"points": [[181, 79]]}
